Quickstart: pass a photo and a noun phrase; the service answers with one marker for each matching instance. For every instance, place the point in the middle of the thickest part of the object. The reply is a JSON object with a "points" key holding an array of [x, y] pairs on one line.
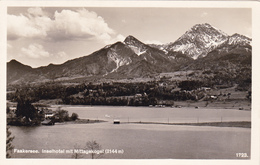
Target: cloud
{"points": [[64, 25], [22, 26], [36, 11], [120, 37], [117, 38], [153, 42], [35, 51], [80, 24]]}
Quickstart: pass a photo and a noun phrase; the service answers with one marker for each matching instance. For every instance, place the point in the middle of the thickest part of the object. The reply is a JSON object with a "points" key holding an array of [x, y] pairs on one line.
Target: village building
{"points": [[48, 113]]}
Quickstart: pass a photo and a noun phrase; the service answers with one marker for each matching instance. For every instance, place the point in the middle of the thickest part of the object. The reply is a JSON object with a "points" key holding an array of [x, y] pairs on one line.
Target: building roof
{"points": [[47, 121], [48, 111]]}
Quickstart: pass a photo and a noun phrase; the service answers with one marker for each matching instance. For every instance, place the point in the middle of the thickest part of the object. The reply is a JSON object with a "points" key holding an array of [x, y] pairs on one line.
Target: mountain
{"points": [[203, 43], [198, 41], [101, 62], [137, 46], [237, 47], [234, 56], [239, 40], [201, 39], [154, 56], [16, 70]]}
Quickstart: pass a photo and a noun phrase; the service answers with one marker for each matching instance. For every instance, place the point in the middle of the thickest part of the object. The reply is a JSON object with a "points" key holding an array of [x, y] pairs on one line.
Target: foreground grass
{"points": [[242, 124]]}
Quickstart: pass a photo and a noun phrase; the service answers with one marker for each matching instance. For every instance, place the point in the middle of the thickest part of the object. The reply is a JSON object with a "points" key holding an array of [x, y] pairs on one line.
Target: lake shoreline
{"points": [[240, 124], [238, 104], [84, 121], [157, 107]]}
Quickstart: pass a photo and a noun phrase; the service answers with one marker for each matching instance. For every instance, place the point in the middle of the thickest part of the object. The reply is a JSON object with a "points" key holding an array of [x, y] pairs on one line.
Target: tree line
{"points": [[122, 93], [109, 93], [27, 114]]}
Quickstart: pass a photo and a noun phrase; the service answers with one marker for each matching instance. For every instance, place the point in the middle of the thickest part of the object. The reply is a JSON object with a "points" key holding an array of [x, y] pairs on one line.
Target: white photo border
{"points": [[254, 5]]}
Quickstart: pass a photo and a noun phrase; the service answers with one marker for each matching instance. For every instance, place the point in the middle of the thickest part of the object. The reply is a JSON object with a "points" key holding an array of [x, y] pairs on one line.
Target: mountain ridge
{"points": [[133, 58]]}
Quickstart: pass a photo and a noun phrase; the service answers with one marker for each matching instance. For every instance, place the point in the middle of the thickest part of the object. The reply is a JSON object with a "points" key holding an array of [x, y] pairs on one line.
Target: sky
{"points": [[38, 36]]}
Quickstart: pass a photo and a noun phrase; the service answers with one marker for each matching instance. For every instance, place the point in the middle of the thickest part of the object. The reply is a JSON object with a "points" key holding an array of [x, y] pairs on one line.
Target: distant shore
{"points": [[82, 121], [242, 124], [229, 104]]}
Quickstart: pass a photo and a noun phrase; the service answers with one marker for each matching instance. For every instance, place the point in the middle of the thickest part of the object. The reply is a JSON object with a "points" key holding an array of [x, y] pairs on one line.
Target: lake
{"points": [[140, 141], [153, 114]]}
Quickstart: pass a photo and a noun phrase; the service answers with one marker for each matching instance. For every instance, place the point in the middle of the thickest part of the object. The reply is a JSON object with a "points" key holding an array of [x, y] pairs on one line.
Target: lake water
{"points": [[140, 141], [153, 114]]}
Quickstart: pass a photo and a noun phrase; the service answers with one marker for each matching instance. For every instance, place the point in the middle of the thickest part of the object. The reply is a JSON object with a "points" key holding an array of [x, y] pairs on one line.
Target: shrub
{"points": [[74, 116]]}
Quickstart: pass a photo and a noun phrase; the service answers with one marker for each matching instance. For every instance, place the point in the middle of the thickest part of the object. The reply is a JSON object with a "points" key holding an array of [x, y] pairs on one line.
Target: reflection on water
{"points": [[136, 140]]}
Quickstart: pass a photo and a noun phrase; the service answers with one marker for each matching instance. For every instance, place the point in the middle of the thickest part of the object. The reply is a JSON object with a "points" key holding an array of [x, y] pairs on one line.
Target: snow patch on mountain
{"points": [[119, 60], [198, 41], [138, 50], [172, 57], [107, 46], [137, 46], [164, 50], [239, 39]]}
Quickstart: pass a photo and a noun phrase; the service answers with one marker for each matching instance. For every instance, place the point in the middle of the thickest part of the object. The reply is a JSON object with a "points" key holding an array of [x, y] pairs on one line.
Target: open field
{"points": [[230, 104]]}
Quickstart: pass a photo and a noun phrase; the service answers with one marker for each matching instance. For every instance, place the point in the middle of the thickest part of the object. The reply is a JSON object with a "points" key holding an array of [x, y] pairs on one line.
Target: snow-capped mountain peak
{"points": [[238, 39], [198, 41], [207, 28], [130, 39], [137, 46]]}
